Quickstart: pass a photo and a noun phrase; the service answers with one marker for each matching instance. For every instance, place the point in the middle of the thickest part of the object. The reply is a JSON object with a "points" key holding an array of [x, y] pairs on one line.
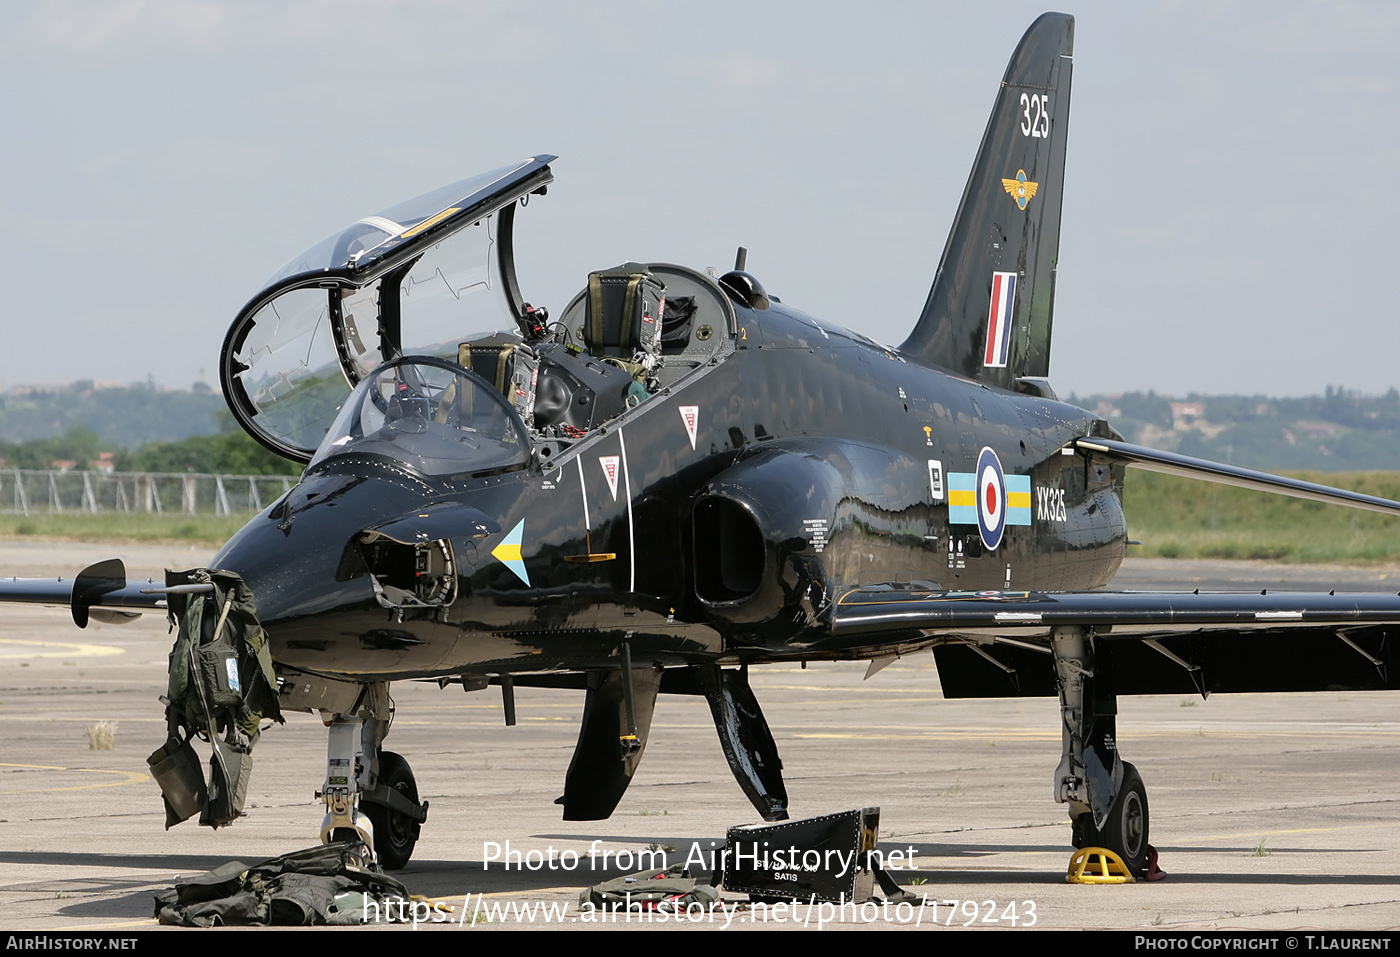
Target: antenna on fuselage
{"points": [[741, 259]]}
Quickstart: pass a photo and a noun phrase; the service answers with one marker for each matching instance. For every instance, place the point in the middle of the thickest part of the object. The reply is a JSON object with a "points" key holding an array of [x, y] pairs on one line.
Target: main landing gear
{"points": [[374, 799], [1106, 797]]}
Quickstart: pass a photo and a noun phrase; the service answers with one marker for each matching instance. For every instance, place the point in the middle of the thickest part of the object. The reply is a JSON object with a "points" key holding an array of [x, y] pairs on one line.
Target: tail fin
{"points": [[988, 315]]}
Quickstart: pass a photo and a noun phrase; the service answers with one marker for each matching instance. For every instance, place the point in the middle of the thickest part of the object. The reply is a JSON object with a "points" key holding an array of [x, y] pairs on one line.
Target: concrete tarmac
{"points": [[1270, 811]]}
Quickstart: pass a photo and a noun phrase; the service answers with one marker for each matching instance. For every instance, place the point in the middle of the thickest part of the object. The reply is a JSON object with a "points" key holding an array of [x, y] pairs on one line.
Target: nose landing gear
{"points": [[374, 800]]}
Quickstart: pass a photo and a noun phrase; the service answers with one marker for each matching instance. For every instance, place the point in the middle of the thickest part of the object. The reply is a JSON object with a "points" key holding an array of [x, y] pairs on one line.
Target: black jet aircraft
{"points": [[680, 477]]}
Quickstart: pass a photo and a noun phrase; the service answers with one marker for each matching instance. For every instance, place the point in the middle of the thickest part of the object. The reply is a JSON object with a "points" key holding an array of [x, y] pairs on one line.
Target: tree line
{"points": [[231, 452]]}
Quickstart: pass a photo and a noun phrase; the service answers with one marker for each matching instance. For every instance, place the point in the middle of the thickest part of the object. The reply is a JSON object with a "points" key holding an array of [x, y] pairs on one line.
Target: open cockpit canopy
{"points": [[406, 281], [411, 283]]}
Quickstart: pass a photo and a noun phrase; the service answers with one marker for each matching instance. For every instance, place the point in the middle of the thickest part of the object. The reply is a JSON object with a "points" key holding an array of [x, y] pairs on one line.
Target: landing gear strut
{"points": [[1106, 797], [374, 799]]}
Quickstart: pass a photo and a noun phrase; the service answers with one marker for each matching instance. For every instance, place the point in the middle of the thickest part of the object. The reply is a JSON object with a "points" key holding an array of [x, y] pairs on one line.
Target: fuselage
{"points": [[820, 461]]}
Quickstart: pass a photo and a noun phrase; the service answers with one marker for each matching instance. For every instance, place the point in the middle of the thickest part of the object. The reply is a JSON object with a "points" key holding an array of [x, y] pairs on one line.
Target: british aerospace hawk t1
{"points": [[673, 478]]}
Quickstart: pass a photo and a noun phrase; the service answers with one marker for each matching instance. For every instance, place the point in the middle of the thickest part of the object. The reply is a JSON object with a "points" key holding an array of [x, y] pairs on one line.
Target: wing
{"points": [[890, 609], [99, 592], [994, 644]]}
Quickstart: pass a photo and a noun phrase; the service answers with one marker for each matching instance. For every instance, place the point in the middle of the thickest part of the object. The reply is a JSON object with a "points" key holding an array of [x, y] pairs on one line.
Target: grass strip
{"points": [[124, 527], [1181, 518]]}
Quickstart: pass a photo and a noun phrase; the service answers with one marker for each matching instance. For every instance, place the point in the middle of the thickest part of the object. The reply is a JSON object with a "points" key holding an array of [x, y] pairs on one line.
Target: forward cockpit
{"points": [[358, 343]]}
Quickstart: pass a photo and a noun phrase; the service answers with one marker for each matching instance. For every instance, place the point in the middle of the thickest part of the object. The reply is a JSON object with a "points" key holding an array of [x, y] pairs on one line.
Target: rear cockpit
{"points": [[632, 332], [301, 365]]}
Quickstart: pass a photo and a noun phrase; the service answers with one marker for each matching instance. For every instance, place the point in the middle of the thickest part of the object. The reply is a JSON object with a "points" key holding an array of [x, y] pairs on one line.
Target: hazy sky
{"points": [[1229, 167]]}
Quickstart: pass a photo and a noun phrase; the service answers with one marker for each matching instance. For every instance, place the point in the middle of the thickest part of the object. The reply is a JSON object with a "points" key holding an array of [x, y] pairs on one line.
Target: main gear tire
{"points": [[1125, 831], [395, 833]]}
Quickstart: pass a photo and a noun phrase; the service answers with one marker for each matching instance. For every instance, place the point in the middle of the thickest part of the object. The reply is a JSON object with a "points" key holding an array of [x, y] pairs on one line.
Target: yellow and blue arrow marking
{"points": [[508, 552]]}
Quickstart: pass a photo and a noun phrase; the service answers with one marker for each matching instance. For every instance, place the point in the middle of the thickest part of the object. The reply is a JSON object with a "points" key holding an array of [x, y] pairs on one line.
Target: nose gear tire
{"points": [[395, 834]]}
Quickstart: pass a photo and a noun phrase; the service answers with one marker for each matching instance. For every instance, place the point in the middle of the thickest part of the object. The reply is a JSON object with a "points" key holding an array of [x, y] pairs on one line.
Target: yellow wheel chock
{"points": [[1097, 865]]}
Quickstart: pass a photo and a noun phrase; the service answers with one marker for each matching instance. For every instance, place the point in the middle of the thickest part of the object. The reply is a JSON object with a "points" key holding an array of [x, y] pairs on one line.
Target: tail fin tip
{"points": [[989, 312]]}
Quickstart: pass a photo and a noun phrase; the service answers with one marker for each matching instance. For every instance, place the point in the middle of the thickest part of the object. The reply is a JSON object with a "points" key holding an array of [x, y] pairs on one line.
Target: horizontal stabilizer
{"points": [[1169, 463]]}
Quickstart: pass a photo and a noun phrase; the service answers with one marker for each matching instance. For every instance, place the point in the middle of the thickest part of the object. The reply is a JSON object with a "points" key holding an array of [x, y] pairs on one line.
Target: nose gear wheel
{"points": [[395, 833]]}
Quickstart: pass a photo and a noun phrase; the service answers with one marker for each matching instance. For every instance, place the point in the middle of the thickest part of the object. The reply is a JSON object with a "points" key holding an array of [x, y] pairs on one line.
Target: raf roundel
{"points": [[991, 499]]}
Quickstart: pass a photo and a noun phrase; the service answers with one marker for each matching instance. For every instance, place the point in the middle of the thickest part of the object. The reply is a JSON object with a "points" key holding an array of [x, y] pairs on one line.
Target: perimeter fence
{"points": [[49, 491]]}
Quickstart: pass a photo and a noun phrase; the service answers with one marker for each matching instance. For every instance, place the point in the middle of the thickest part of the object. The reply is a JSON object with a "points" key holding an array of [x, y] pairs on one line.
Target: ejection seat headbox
{"points": [[622, 313]]}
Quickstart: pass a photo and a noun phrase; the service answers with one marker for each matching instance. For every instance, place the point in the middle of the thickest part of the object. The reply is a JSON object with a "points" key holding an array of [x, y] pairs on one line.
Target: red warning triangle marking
{"points": [[690, 415], [610, 464]]}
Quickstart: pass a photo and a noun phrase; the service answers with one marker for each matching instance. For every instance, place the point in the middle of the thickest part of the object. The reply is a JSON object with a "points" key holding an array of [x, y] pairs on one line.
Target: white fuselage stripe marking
{"points": [[631, 535], [583, 491]]}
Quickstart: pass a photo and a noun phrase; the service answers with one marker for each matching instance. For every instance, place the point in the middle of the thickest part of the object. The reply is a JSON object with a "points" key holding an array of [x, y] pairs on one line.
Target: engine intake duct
{"points": [[754, 557], [729, 551]]}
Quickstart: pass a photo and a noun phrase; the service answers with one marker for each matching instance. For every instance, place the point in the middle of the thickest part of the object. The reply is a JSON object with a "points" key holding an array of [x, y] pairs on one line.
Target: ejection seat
{"points": [[622, 311], [508, 365]]}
